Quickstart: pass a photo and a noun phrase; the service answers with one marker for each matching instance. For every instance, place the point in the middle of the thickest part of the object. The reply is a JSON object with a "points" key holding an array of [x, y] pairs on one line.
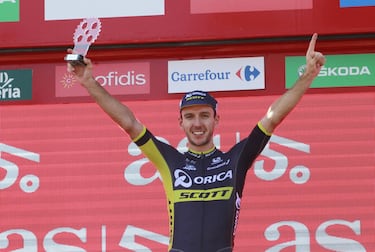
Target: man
{"points": [[204, 185]]}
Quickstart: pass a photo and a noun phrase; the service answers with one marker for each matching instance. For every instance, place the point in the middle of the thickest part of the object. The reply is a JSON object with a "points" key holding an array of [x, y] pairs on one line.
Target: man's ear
{"points": [[217, 119], [180, 121]]}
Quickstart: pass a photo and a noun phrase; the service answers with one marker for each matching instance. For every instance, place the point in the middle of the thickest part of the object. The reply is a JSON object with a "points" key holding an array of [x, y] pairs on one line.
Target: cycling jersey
{"points": [[203, 190]]}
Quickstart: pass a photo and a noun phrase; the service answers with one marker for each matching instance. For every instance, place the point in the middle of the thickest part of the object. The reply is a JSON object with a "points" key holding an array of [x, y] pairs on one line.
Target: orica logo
{"points": [[248, 73], [183, 179]]}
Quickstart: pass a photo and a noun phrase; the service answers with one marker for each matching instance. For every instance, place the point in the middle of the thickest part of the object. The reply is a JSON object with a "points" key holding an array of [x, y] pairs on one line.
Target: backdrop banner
{"points": [[70, 179]]}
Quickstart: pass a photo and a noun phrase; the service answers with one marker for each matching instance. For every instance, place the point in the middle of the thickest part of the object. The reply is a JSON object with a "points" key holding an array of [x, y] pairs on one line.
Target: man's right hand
{"points": [[82, 72]]}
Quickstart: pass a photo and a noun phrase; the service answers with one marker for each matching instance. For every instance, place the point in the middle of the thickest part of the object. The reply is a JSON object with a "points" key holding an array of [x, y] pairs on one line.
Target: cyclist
{"points": [[204, 185]]}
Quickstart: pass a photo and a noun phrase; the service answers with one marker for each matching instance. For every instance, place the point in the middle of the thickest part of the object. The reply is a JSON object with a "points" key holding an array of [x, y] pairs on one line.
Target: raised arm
{"points": [[119, 112], [285, 104]]}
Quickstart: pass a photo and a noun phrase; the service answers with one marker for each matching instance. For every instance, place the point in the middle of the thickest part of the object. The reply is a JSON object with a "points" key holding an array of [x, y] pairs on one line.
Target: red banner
{"points": [[71, 180], [126, 22]]}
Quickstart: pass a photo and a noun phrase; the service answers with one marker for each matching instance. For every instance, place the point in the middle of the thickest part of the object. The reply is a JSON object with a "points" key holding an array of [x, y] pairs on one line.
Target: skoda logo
{"points": [[301, 70], [182, 179]]}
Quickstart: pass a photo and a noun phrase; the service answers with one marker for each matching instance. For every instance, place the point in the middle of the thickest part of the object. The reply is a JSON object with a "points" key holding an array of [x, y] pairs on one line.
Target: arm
{"points": [[286, 103], [119, 113]]}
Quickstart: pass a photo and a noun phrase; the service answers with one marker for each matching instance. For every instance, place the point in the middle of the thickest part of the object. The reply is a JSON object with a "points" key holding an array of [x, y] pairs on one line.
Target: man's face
{"points": [[199, 123]]}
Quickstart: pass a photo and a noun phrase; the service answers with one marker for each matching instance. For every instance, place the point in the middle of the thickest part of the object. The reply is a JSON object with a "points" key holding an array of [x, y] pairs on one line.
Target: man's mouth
{"points": [[198, 133]]}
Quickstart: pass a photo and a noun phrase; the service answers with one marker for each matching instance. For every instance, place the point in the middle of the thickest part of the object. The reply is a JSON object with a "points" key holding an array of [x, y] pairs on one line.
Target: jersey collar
{"points": [[199, 154]]}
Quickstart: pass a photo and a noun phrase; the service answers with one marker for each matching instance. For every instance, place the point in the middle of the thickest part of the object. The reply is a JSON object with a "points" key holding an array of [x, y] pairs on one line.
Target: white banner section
{"points": [[77, 9], [224, 74]]}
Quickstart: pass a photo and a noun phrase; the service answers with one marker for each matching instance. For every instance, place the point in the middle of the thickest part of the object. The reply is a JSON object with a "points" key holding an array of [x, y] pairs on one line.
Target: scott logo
{"points": [[222, 193], [183, 179], [248, 73]]}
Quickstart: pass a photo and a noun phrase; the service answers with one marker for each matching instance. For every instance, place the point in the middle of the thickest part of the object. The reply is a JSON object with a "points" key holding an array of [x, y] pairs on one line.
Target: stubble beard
{"points": [[200, 143]]}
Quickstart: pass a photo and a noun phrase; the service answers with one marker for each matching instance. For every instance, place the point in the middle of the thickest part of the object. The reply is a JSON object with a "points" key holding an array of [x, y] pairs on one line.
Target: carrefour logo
{"points": [[248, 73], [216, 74], [205, 75]]}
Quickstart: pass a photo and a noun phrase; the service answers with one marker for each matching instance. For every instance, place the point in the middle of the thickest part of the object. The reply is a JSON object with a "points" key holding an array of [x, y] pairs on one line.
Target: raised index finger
{"points": [[311, 48]]}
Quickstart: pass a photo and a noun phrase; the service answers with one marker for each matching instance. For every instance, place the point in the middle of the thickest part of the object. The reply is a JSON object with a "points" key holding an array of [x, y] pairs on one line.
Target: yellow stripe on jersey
{"points": [[153, 154]]}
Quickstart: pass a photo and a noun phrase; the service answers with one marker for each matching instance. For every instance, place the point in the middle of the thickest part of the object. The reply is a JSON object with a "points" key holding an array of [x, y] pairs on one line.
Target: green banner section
{"points": [[15, 84], [9, 10], [350, 70]]}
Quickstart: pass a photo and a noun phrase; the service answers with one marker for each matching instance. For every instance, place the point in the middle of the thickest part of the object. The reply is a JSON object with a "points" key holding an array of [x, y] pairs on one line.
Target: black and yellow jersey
{"points": [[203, 190]]}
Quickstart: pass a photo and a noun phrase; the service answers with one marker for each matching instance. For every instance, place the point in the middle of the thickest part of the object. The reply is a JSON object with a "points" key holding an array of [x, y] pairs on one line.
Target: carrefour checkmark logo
{"points": [[248, 73]]}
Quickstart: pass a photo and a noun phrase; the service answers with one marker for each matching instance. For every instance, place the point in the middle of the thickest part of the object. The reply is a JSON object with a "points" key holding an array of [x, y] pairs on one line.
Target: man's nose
{"points": [[197, 121]]}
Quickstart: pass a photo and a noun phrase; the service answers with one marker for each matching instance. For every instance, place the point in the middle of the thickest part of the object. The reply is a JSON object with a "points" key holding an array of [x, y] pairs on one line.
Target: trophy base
{"points": [[75, 59]]}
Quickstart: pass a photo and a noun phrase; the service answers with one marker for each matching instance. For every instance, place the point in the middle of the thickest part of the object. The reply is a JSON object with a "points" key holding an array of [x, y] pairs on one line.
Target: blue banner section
{"points": [[356, 3]]}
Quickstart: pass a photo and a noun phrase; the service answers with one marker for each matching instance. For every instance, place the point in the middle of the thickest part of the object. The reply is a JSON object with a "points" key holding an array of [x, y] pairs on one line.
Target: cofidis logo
{"points": [[15, 84], [216, 74], [118, 79]]}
